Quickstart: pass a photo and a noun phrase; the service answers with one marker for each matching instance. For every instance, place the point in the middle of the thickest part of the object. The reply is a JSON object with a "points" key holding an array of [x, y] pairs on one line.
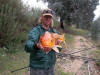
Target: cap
{"points": [[49, 12]]}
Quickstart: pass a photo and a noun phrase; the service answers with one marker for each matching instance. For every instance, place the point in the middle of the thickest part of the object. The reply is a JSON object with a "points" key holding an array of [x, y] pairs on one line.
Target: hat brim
{"points": [[48, 15]]}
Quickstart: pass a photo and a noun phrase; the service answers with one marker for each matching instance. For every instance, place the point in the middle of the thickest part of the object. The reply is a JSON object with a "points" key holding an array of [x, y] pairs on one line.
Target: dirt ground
{"points": [[79, 66]]}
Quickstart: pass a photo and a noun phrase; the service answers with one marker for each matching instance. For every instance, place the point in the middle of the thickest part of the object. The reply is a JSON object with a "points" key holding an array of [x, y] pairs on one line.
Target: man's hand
{"points": [[46, 49], [39, 45]]}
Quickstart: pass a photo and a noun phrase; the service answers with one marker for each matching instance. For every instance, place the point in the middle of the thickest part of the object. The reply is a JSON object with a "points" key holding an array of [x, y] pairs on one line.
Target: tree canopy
{"points": [[79, 12]]}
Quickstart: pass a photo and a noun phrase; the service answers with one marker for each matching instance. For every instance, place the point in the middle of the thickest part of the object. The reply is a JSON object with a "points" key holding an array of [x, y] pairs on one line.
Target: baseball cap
{"points": [[48, 12]]}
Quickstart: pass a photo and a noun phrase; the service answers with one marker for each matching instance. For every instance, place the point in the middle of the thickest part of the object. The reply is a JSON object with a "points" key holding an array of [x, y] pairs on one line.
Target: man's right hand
{"points": [[46, 49], [39, 45]]}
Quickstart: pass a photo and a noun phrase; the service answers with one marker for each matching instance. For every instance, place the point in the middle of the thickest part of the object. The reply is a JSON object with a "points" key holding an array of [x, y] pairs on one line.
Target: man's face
{"points": [[47, 20]]}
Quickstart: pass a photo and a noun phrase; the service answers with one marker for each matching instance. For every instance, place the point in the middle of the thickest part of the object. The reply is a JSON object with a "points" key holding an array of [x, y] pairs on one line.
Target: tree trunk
{"points": [[61, 23]]}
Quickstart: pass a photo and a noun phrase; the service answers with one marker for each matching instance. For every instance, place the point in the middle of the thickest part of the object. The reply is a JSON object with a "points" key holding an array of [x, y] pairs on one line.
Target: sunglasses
{"points": [[48, 11]]}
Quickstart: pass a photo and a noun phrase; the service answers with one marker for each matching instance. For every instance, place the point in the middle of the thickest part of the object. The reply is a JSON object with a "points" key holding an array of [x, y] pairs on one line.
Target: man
{"points": [[40, 62]]}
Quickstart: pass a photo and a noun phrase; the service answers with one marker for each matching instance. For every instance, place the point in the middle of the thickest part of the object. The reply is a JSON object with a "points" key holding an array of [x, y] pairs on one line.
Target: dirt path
{"points": [[77, 62], [76, 66]]}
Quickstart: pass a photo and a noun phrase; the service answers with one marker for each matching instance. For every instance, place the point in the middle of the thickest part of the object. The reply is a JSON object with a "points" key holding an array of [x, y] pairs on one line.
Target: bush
{"points": [[15, 18]]}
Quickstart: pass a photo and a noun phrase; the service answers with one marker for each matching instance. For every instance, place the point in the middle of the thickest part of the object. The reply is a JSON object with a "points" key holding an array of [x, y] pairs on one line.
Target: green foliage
{"points": [[16, 20], [78, 12], [95, 30], [56, 23], [36, 13], [8, 23]]}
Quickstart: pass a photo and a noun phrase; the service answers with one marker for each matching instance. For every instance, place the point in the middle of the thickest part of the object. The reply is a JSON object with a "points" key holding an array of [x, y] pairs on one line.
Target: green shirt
{"points": [[38, 58]]}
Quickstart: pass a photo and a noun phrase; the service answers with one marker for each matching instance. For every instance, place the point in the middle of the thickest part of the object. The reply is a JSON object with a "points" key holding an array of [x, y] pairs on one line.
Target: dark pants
{"points": [[49, 71]]}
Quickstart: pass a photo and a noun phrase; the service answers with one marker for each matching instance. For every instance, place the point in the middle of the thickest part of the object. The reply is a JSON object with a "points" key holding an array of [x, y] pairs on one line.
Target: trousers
{"points": [[49, 71]]}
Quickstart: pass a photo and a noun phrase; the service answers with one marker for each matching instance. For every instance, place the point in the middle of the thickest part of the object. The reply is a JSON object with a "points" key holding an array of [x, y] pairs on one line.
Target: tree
{"points": [[95, 30], [79, 12], [14, 18]]}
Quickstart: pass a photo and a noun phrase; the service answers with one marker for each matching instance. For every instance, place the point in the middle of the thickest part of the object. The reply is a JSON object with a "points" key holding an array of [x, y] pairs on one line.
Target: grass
{"points": [[76, 31], [14, 57], [12, 61], [69, 38], [66, 73], [69, 41], [96, 55]]}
